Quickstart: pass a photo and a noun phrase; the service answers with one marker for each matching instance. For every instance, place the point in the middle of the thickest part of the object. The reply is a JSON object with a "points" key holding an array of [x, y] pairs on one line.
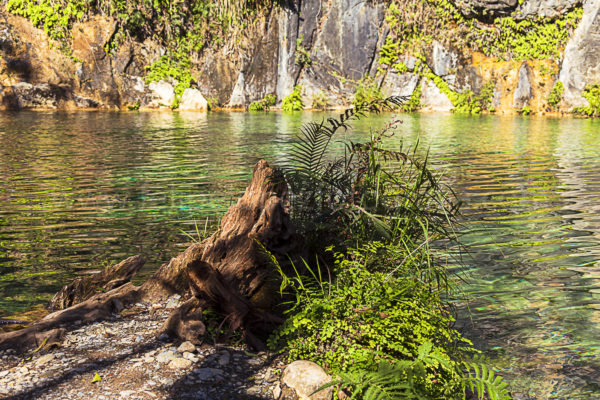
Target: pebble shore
{"points": [[126, 358]]}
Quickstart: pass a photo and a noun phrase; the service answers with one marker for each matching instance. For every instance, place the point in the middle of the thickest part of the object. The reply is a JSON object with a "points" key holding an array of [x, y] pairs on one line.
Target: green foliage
{"points": [[175, 65], [293, 101], [556, 94], [320, 101], [54, 17], [526, 110], [540, 38], [262, 105], [302, 54], [399, 380], [415, 25], [367, 91], [200, 23], [592, 94], [414, 103]]}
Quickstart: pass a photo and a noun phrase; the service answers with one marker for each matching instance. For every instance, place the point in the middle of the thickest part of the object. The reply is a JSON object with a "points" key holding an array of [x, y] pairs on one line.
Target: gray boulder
{"points": [[581, 62]]}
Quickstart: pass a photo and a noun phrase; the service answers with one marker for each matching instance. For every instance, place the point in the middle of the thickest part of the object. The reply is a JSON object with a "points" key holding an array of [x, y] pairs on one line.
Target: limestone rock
{"points": [[581, 62], [193, 100], [485, 10], [545, 8], [400, 84], [166, 356], [432, 99], [41, 96], [522, 93], [444, 60], [186, 347], [161, 94], [305, 377], [180, 363]]}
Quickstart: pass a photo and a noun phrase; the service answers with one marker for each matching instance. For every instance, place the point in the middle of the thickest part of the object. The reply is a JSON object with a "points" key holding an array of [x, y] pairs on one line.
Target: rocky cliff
{"points": [[502, 56]]}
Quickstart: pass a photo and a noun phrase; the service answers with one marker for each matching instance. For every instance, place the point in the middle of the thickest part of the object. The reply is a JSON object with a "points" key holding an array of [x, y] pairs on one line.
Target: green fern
{"points": [[482, 380], [401, 379]]}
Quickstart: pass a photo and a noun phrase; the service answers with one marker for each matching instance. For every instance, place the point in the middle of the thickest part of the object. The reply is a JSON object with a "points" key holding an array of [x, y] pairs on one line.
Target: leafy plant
{"points": [[367, 90], [592, 94], [414, 103], [262, 105], [399, 380], [556, 94], [302, 54], [293, 101], [526, 110], [320, 101]]}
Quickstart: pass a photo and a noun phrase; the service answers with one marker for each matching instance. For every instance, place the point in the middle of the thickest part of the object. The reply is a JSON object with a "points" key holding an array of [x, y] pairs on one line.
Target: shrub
{"points": [[556, 94], [367, 91], [262, 105], [414, 103], [293, 101], [592, 94], [320, 101]]}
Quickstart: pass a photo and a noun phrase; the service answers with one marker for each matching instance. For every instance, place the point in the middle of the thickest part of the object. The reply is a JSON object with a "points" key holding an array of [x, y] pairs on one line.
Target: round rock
{"points": [[304, 377]]}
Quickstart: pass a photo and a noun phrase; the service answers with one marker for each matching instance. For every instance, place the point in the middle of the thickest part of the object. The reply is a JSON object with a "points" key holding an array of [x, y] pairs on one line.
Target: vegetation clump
{"points": [[367, 90], [320, 101], [370, 303], [263, 105], [556, 95], [293, 101], [592, 94], [414, 103]]}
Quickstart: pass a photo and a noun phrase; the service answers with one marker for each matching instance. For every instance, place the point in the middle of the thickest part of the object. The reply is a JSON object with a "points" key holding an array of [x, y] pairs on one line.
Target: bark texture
{"points": [[84, 288]]}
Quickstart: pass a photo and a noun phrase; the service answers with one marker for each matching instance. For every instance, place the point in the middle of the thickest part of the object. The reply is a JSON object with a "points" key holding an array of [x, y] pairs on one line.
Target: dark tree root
{"points": [[228, 272]]}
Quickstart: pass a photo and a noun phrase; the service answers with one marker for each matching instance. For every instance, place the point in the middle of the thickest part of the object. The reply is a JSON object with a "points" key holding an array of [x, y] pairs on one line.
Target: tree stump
{"points": [[85, 287]]}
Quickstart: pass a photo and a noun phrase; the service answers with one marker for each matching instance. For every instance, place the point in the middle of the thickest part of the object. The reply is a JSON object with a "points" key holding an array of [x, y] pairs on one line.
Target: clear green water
{"points": [[80, 190]]}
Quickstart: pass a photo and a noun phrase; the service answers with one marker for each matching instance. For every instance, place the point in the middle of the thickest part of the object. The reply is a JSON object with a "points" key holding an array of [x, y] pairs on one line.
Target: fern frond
{"points": [[482, 381]]}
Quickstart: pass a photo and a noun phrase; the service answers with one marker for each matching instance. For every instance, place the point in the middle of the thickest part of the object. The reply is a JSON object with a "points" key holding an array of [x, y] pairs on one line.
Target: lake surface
{"points": [[81, 190]]}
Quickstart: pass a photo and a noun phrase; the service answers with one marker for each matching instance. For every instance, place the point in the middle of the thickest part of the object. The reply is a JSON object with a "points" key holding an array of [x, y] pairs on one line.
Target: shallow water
{"points": [[80, 190]]}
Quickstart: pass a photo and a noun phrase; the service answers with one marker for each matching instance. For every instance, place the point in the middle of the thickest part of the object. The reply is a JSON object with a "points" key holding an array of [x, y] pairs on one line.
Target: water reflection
{"points": [[83, 189]]}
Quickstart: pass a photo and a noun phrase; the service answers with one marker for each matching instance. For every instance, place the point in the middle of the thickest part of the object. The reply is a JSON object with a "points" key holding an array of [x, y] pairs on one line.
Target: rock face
{"points": [[304, 377], [161, 95], [522, 93], [485, 9], [581, 63], [193, 100], [324, 46], [432, 98]]}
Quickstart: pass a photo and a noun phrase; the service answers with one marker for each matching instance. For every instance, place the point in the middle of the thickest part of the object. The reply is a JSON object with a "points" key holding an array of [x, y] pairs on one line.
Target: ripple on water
{"points": [[80, 190]]}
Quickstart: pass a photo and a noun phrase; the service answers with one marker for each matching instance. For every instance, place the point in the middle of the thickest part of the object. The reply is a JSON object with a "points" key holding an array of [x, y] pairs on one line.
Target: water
{"points": [[80, 190]]}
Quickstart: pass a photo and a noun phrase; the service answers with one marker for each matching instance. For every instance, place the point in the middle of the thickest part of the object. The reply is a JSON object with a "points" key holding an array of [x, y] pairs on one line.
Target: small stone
{"points": [[173, 302], [166, 356], [44, 359], [189, 356], [127, 393], [205, 374], [180, 363], [224, 359], [186, 347], [4, 373]]}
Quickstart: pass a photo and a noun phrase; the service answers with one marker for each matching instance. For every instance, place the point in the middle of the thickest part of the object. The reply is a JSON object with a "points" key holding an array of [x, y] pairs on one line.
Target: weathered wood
{"points": [[85, 287], [50, 328], [259, 215], [186, 322]]}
